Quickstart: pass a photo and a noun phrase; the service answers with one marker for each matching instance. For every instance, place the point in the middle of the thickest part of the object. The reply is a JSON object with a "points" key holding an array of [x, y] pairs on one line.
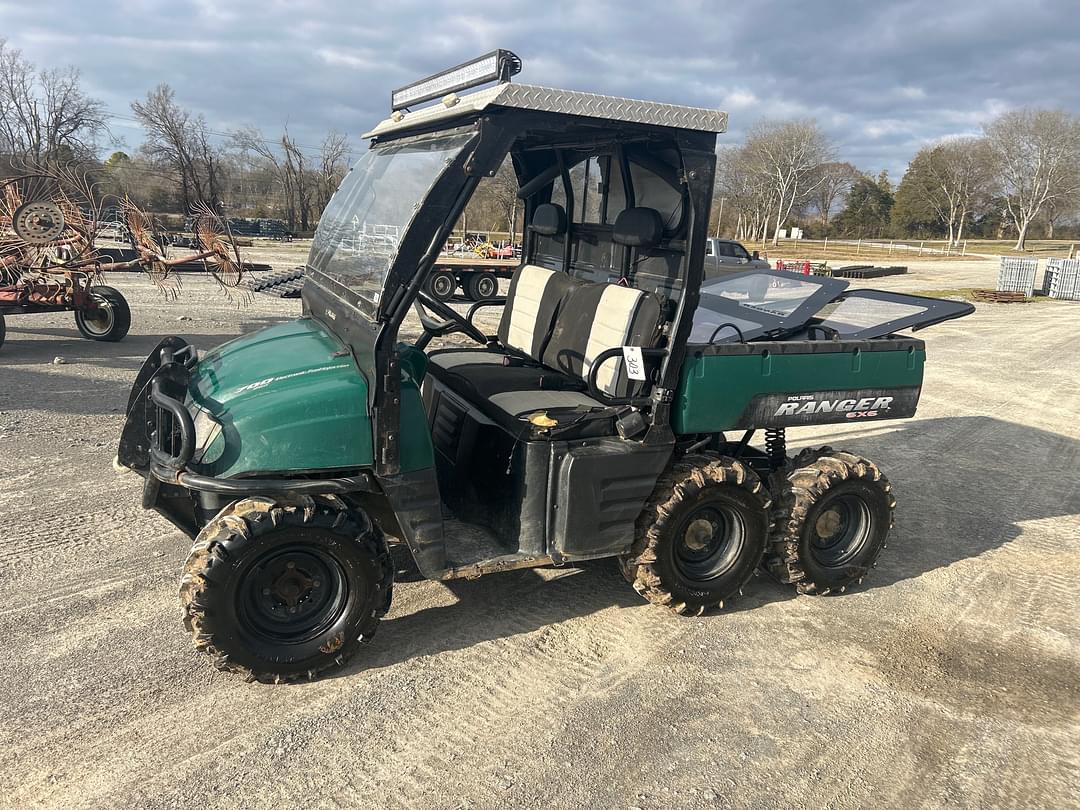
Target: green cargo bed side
{"points": [[721, 386]]}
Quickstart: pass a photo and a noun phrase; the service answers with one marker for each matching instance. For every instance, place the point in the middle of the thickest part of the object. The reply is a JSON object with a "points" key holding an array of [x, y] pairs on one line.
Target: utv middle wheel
{"points": [[110, 321], [442, 285], [701, 535], [282, 592], [832, 520]]}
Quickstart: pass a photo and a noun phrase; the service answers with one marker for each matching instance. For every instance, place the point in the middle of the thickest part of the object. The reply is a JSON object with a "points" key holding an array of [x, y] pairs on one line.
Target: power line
{"points": [[311, 151]]}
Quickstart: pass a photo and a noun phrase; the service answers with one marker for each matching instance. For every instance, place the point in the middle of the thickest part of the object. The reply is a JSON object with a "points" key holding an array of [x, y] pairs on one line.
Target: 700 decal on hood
{"points": [[828, 407]]}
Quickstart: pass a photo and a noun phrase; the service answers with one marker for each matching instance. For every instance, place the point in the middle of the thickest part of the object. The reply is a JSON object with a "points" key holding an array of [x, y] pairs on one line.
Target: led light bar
{"points": [[498, 66]]}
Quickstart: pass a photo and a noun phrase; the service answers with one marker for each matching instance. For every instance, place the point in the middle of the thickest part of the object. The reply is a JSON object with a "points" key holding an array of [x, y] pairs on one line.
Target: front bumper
{"points": [[159, 442]]}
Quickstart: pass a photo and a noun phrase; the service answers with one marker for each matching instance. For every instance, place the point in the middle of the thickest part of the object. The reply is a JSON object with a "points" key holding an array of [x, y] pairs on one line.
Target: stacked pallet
{"points": [[1017, 275], [1062, 279], [867, 271], [999, 296]]}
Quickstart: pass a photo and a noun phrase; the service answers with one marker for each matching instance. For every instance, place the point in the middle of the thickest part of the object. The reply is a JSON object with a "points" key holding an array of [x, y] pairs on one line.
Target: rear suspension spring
{"points": [[776, 446]]}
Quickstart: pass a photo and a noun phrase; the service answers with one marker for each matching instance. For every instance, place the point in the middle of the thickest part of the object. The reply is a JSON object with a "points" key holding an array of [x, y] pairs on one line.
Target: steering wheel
{"points": [[454, 322]]}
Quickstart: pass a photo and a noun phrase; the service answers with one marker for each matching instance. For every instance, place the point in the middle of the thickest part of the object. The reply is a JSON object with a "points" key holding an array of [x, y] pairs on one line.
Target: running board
{"points": [[507, 562], [474, 551]]}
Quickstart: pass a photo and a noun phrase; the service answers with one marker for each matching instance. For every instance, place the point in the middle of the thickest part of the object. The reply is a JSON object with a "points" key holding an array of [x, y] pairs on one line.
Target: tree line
{"points": [[46, 119], [1022, 173]]}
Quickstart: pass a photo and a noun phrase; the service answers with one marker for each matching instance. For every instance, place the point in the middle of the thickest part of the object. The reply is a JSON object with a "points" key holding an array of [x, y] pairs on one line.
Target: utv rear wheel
{"points": [[701, 535], [279, 592], [832, 519]]}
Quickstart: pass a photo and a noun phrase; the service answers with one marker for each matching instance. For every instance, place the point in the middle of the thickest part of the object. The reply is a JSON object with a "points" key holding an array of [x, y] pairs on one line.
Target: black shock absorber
{"points": [[776, 446]]}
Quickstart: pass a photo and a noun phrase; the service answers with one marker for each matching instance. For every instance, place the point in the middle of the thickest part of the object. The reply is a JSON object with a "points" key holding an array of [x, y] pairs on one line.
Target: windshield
{"points": [[770, 292], [359, 231], [761, 302]]}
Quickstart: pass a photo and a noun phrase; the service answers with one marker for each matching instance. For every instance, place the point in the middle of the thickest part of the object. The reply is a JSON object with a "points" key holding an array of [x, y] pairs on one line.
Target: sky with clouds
{"points": [[881, 78]]}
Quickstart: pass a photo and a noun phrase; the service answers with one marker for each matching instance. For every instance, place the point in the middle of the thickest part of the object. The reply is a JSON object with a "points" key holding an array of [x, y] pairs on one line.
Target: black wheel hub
{"points": [[292, 594], [710, 541], [840, 531]]}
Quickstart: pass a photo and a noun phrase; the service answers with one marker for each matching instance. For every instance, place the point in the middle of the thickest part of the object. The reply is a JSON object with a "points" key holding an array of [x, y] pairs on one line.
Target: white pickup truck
{"points": [[728, 256]]}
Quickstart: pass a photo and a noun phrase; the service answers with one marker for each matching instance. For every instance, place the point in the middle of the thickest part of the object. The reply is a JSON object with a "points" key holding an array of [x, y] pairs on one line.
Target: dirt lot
{"points": [[952, 677]]}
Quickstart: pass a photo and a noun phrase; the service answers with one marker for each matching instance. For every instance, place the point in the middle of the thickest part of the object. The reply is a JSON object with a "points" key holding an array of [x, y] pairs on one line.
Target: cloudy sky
{"points": [[881, 78]]}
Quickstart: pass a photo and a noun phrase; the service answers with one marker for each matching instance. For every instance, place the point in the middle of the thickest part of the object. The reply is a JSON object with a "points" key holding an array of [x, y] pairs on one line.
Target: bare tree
{"points": [[290, 166], [952, 179], [1036, 155], [296, 165], [834, 181], [45, 117], [789, 154], [333, 164], [504, 195], [181, 140], [747, 190], [1060, 209]]}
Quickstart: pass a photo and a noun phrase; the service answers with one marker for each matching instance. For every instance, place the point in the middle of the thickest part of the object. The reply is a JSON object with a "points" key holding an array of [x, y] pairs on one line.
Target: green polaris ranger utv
{"points": [[613, 413]]}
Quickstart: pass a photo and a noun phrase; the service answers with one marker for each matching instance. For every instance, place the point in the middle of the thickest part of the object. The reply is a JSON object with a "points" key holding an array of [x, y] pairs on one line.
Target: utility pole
{"points": [[720, 217]]}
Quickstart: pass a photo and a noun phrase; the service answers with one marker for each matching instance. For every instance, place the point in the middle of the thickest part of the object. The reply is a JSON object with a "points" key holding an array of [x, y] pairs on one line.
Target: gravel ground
{"points": [[951, 677]]}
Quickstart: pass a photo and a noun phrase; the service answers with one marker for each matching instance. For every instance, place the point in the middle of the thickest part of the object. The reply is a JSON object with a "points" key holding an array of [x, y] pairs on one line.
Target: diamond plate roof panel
{"points": [[567, 102]]}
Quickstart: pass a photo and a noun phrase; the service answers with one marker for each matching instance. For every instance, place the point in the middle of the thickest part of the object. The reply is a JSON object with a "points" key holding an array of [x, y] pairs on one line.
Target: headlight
{"points": [[206, 430]]}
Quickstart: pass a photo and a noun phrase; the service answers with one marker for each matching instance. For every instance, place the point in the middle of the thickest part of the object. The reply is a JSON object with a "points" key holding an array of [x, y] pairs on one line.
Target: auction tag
{"points": [[635, 364]]}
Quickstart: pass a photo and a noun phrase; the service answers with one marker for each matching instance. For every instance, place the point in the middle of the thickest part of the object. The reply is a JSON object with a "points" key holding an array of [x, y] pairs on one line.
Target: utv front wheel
{"points": [[280, 592], [701, 535], [832, 519]]}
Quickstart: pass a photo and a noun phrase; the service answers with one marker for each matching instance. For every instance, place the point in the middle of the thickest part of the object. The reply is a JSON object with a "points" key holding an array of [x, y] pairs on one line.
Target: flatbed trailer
{"points": [[477, 277]]}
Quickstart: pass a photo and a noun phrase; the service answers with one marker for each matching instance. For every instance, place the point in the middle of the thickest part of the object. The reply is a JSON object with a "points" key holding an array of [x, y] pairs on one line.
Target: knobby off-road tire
{"points": [[111, 321], [831, 519], [280, 591], [701, 535]]}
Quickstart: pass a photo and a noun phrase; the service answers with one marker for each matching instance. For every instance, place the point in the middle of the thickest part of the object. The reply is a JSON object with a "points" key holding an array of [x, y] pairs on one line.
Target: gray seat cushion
{"points": [[477, 374]]}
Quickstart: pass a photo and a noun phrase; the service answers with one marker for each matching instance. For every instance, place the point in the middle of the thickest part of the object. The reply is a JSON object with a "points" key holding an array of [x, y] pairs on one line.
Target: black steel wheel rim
{"points": [[99, 321], [442, 285], [709, 542], [292, 595], [840, 530]]}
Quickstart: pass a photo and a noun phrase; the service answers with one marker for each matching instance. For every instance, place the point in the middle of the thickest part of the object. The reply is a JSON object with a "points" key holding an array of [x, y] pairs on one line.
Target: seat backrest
{"points": [[531, 305], [535, 292], [597, 317]]}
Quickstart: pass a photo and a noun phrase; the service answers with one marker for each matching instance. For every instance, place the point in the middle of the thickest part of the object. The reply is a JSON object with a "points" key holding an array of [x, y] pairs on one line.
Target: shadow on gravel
{"points": [[76, 387], [963, 486], [495, 607], [127, 353]]}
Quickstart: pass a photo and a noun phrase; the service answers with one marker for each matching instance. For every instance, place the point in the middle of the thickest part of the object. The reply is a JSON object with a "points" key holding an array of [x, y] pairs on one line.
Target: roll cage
{"points": [[553, 154]]}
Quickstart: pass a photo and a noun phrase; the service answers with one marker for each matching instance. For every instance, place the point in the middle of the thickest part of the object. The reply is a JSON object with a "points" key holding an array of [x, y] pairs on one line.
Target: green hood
{"points": [[288, 398]]}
